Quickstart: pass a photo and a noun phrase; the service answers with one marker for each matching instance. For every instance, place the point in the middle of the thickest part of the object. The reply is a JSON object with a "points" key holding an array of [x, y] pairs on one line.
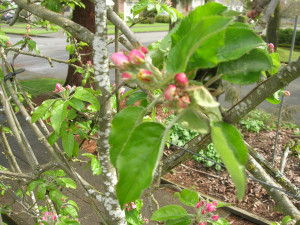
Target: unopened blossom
{"points": [[198, 205], [183, 102], [136, 57], [126, 76], [58, 86], [68, 87], [210, 207], [120, 60], [286, 93], [46, 213], [215, 203], [53, 217], [8, 44], [271, 46], [215, 217], [44, 218], [133, 206], [181, 79], [145, 76], [128, 209], [144, 50], [89, 62], [122, 90], [203, 223], [203, 211], [170, 92]]}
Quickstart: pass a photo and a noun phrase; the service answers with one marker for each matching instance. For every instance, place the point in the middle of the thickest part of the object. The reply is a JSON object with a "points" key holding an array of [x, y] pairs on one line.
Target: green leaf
{"points": [[139, 7], [59, 173], [134, 97], [71, 114], [41, 191], [58, 114], [190, 119], [122, 127], [34, 183], [169, 212], [56, 196], [221, 221], [230, 146], [77, 104], [247, 69], [86, 96], [276, 63], [68, 144], [189, 197], [70, 48], [286, 219], [53, 138], [185, 48], [96, 166], [42, 109], [32, 46], [203, 97], [71, 210], [238, 41], [69, 183], [4, 38], [71, 202], [186, 220], [139, 157], [275, 98]]}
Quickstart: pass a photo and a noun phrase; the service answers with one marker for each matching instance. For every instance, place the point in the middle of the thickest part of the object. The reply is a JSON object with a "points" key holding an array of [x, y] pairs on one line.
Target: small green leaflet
{"points": [[169, 212], [42, 109], [86, 96]]}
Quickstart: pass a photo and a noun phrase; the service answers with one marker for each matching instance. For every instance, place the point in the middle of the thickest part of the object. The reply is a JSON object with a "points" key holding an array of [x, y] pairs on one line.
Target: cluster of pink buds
{"points": [[132, 206], [58, 88], [49, 217], [9, 44], [133, 65], [89, 64], [205, 211], [176, 93], [271, 46]]}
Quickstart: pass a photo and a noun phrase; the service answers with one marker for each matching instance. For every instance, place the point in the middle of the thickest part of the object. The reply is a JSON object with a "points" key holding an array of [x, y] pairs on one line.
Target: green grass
{"points": [[39, 86], [23, 31], [285, 54]]}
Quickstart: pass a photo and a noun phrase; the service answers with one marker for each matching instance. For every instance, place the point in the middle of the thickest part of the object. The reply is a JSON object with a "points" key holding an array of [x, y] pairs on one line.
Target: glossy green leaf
{"points": [[238, 41], [53, 138], [95, 166], [230, 146], [247, 69], [71, 210], [169, 212], [190, 119], [59, 173], [134, 97], [139, 7], [68, 144], [58, 114], [34, 183], [137, 162], [203, 97], [186, 220], [276, 63], [221, 221], [77, 104], [69, 183], [189, 197], [71, 202], [275, 98], [41, 191], [122, 127], [86, 96], [185, 47], [286, 219], [42, 109], [71, 114], [56, 196]]}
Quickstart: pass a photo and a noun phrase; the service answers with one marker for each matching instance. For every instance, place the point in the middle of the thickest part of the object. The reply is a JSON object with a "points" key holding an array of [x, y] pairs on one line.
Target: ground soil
{"points": [[218, 183]]}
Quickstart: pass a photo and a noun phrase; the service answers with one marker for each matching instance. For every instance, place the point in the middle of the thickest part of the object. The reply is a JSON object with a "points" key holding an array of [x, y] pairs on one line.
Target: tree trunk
{"points": [[85, 17], [273, 27]]}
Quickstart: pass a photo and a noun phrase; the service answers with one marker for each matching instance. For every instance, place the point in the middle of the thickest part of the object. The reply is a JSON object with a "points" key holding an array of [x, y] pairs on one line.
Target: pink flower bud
{"points": [[46, 213], [198, 205], [203, 223], [144, 50], [181, 79], [271, 45], [53, 217], [133, 206], [68, 87], [128, 209], [126, 76], [146, 220], [170, 92], [203, 211], [286, 93], [120, 60], [215, 217], [89, 63], [77, 135], [8, 44], [183, 102], [210, 207], [44, 218], [145, 76], [126, 205], [136, 57], [55, 90], [215, 203], [58, 86]]}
